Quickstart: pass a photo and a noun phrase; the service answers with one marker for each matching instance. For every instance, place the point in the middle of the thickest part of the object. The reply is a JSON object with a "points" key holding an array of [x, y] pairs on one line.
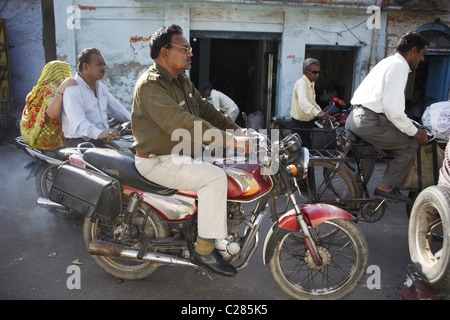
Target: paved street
{"points": [[37, 249]]}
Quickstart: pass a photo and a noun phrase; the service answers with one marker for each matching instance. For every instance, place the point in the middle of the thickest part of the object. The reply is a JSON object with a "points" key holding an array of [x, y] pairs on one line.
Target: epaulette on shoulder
{"points": [[153, 77]]}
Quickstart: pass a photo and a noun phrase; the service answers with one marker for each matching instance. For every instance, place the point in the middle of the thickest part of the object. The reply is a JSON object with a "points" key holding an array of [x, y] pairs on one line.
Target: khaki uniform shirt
{"points": [[162, 104], [304, 106]]}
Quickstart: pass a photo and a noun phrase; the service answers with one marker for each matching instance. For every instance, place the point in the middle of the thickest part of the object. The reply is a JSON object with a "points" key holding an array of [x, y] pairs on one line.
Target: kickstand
{"points": [[205, 272]]}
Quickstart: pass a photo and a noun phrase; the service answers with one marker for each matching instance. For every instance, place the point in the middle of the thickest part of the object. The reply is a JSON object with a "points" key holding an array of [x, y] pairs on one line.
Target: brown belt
{"points": [[140, 155]]}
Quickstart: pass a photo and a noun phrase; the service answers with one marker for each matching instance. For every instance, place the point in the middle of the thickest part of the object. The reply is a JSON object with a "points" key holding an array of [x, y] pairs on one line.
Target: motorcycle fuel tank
{"points": [[246, 182]]}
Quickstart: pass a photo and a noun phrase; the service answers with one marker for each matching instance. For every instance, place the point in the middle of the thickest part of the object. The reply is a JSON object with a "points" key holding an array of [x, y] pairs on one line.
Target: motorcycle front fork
{"points": [[309, 241]]}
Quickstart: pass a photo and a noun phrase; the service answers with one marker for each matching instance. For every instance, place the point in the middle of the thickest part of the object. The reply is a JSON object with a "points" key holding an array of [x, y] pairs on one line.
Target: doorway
{"points": [[244, 66], [337, 67], [430, 81]]}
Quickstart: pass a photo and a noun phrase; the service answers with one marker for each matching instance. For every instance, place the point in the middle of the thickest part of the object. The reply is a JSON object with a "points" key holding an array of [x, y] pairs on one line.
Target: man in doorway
{"points": [[88, 106], [221, 101], [304, 108], [166, 100], [379, 116]]}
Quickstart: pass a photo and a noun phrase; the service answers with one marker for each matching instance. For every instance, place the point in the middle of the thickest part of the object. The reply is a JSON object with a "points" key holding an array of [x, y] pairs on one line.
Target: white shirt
{"points": [[383, 91], [304, 106], [85, 115], [223, 102]]}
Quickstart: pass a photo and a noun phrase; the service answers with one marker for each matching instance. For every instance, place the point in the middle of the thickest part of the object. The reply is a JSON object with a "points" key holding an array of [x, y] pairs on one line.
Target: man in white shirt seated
{"points": [[379, 118], [221, 101], [86, 109]]}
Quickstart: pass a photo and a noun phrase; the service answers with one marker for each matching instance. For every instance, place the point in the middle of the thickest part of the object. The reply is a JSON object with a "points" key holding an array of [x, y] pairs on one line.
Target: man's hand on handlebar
{"points": [[322, 115], [242, 144], [421, 136], [109, 134]]}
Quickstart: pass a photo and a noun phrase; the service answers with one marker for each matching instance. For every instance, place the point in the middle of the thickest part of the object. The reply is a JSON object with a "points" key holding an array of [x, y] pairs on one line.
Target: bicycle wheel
{"points": [[326, 182]]}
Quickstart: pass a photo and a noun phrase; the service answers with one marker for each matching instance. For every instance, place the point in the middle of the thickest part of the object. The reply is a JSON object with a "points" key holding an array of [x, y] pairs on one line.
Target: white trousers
{"points": [[209, 181]]}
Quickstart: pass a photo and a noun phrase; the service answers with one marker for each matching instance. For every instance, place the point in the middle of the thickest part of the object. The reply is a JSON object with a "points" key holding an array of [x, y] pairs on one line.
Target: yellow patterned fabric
{"points": [[37, 129]]}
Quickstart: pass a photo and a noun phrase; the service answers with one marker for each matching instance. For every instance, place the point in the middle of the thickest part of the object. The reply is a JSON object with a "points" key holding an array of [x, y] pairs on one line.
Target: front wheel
{"points": [[344, 255], [429, 236]]}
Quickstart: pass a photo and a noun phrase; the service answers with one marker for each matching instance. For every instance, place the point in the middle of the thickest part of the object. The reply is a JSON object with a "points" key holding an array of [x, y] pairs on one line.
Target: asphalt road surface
{"points": [[40, 253]]}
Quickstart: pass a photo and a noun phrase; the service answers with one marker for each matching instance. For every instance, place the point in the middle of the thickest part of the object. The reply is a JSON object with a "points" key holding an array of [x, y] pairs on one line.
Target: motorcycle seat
{"points": [[120, 165]]}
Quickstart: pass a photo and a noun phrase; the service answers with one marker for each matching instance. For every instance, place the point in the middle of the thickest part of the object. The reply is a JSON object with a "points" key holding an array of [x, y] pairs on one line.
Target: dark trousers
{"points": [[305, 135], [377, 130]]}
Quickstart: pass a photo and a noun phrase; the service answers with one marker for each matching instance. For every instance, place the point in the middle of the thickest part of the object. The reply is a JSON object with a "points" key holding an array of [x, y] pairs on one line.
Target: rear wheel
{"points": [[107, 231], [44, 179]]}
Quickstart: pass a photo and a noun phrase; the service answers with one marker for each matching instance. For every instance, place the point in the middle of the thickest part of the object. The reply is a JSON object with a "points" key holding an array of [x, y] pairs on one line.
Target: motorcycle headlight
{"points": [[300, 168], [290, 147], [296, 156]]}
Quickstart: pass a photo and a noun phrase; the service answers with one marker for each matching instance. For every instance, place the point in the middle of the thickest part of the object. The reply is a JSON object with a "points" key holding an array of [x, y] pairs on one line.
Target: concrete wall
{"points": [[122, 30], [26, 50]]}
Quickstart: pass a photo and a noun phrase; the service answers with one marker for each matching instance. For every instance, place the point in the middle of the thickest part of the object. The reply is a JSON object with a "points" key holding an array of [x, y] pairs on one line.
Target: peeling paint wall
{"points": [[121, 30], [400, 22]]}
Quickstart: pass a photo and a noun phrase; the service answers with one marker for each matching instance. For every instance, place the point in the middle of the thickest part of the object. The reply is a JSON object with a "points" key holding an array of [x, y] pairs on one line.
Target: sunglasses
{"points": [[314, 72], [187, 49]]}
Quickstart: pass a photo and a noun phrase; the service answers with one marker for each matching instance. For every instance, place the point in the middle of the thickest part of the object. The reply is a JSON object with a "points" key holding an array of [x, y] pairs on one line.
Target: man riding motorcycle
{"points": [[165, 100]]}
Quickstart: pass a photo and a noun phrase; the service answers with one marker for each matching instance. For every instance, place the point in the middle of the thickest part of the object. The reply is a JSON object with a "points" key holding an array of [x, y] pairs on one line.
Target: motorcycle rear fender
{"points": [[315, 214]]}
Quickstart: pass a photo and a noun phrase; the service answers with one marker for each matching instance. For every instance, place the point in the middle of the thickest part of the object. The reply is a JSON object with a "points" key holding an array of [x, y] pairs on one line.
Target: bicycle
{"points": [[331, 179]]}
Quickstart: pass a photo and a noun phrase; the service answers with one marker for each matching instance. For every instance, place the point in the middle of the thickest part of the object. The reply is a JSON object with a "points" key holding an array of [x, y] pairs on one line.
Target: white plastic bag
{"points": [[437, 117], [256, 120]]}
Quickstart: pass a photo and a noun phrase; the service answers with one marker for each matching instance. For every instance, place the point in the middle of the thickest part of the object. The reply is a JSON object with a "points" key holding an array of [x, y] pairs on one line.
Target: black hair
{"points": [[162, 38], [411, 40], [84, 57], [207, 86]]}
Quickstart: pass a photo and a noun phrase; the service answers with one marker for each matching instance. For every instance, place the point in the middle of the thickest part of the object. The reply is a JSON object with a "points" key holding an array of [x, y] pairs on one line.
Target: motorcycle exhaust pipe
{"points": [[49, 204], [103, 248]]}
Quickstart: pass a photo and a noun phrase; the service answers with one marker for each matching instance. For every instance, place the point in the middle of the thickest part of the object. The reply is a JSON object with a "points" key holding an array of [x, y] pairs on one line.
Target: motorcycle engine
{"points": [[229, 247]]}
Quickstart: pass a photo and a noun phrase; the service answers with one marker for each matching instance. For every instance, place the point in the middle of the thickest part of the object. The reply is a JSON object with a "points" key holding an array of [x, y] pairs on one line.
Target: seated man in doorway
{"points": [[88, 106], [379, 116], [304, 108], [221, 101]]}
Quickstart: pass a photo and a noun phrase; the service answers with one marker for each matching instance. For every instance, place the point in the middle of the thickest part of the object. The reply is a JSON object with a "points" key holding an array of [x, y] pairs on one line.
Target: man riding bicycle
{"points": [[379, 118]]}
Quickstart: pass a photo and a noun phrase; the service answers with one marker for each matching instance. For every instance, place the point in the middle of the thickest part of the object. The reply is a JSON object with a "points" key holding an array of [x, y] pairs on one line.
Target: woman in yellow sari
{"points": [[40, 125]]}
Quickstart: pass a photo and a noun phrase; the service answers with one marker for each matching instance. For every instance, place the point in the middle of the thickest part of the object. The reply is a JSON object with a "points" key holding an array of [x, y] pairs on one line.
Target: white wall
{"points": [[121, 29]]}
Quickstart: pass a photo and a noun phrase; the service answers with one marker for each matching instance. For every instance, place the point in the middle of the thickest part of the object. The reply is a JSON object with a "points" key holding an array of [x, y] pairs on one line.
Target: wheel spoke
{"points": [[340, 256]]}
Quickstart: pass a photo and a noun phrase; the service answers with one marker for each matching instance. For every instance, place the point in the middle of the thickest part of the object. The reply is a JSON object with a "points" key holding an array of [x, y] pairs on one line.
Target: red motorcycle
{"points": [[133, 226]]}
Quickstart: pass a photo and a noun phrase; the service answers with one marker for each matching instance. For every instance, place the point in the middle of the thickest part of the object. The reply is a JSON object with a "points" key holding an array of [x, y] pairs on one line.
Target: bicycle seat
{"points": [[354, 139]]}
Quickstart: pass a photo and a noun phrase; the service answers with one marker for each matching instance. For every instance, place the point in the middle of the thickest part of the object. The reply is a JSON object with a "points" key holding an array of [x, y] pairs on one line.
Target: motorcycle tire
{"points": [[345, 258], [103, 230], [430, 248], [45, 176]]}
